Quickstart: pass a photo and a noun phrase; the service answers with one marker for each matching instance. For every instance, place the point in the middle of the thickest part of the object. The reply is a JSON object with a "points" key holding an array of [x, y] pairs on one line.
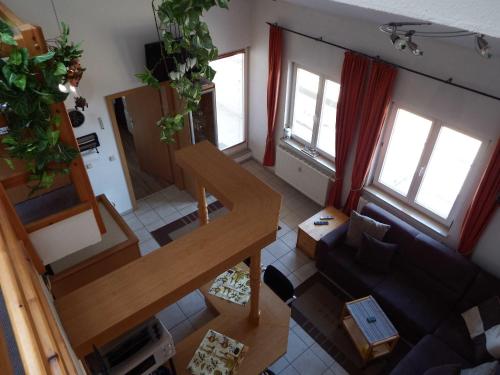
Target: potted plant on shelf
{"points": [[29, 85]]}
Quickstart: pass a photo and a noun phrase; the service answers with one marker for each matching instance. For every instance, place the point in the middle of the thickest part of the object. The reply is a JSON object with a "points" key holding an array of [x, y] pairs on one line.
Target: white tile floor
{"points": [[303, 355]]}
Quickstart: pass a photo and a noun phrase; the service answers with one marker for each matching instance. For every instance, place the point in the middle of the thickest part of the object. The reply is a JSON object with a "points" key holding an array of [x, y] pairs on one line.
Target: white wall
{"points": [[114, 33], [476, 115]]}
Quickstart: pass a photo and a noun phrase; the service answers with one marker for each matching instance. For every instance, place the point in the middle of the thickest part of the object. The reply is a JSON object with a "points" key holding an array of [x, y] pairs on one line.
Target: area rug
{"points": [[185, 224], [317, 310]]}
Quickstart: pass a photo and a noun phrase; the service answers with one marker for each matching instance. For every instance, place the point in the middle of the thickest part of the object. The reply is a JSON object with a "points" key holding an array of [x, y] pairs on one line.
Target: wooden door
{"points": [[144, 107]]}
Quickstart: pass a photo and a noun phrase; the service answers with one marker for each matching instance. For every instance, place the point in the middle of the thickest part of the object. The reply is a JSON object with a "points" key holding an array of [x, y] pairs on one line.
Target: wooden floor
{"points": [[143, 183], [267, 341]]}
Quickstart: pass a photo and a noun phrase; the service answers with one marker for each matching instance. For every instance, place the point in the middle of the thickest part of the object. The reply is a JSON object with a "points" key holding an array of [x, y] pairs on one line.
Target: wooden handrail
{"points": [[107, 307], [39, 340]]}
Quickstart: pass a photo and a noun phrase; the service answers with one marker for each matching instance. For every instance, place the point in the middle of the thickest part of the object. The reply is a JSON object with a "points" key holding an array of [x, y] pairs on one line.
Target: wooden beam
{"points": [[255, 273], [5, 364], [79, 175], [202, 203], [20, 230], [57, 217], [9, 16]]}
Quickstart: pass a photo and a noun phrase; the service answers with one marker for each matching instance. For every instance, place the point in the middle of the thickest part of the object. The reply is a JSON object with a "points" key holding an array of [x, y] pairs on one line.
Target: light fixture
{"points": [[63, 88], [397, 42], [402, 34], [412, 46], [482, 46]]}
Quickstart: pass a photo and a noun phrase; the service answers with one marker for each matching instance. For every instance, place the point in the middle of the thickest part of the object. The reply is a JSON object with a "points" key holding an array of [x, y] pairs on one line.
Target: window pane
{"points": [[326, 136], [448, 167], [406, 144], [304, 107], [229, 90]]}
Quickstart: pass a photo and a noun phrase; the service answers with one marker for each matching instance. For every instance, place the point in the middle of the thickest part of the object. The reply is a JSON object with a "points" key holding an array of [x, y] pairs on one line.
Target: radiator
{"points": [[303, 176]]}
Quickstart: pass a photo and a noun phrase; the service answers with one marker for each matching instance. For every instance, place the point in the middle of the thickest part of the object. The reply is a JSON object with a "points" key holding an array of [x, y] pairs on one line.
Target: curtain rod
{"points": [[447, 82]]}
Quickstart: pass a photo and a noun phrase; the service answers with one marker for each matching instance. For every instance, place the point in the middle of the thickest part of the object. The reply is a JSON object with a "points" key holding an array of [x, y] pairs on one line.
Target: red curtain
{"points": [[482, 206], [376, 102], [273, 91], [352, 81]]}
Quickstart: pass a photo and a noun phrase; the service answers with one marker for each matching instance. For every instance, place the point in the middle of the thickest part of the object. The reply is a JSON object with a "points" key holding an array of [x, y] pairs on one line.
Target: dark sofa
{"points": [[429, 286]]}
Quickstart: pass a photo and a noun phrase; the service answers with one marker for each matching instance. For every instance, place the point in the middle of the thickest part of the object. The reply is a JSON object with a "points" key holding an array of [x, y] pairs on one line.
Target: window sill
{"points": [[320, 162], [406, 211]]}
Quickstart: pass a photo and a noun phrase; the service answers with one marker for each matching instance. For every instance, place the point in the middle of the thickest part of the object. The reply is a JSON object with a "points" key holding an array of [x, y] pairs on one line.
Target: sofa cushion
{"points": [[340, 265], [376, 255], [414, 312], [483, 324], [359, 224], [437, 269], [428, 353], [482, 288], [400, 231]]}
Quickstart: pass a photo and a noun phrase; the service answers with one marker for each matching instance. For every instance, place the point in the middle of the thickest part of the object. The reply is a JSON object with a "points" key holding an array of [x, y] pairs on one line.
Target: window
{"points": [[230, 99], [313, 111], [425, 163]]}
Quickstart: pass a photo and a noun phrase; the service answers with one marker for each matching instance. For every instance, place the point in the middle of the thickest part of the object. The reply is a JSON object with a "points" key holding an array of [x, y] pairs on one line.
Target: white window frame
{"points": [[310, 148], [242, 146], [430, 142]]}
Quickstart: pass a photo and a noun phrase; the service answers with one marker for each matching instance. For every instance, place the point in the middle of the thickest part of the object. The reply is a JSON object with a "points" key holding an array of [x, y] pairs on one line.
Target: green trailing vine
{"points": [[29, 85], [187, 39]]}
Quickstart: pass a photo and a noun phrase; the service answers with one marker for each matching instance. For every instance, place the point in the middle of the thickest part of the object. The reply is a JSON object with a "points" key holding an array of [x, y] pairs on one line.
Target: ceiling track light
{"points": [[402, 38], [483, 47], [412, 46]]}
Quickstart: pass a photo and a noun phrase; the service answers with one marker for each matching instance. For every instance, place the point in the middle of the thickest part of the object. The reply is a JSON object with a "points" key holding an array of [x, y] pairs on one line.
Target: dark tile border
{"points": [[162, 235]]}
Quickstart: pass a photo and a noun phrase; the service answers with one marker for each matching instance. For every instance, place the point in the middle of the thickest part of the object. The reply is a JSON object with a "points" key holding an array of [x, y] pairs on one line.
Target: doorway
{"points": [[147, 157]]}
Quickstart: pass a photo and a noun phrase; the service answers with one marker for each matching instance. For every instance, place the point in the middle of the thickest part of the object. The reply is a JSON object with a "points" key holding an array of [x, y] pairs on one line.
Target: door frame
{"points": [[119, 143]]}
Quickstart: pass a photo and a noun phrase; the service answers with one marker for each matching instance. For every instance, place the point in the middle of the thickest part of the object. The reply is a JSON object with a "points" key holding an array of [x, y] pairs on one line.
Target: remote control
{"points": [[326, 218], [321, 222]]}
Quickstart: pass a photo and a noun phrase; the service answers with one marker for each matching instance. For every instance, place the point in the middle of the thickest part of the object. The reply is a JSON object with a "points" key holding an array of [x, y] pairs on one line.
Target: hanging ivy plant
{"points": [[187, 40], [28, 87]]}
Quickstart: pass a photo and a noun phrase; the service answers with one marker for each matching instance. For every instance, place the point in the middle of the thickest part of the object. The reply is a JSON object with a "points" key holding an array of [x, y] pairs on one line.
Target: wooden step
{"points": [[48, 204]]}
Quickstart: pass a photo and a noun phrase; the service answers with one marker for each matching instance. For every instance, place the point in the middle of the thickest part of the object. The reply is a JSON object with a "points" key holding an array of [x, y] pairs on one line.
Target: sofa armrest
{"points": [[331, 240]]}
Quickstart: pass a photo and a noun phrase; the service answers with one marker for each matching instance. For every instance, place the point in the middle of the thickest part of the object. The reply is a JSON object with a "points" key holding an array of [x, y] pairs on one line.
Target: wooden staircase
{"points": [[70, 195]]}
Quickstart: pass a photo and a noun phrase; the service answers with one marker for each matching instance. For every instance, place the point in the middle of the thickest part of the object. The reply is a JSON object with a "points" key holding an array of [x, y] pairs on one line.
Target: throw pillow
{"points": [[375, 254], [483, 324], [359, 224]]}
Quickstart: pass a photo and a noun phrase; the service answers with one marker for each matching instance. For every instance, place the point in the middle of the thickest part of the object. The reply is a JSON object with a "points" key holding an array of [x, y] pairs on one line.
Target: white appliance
{"points": [[138, 352]]}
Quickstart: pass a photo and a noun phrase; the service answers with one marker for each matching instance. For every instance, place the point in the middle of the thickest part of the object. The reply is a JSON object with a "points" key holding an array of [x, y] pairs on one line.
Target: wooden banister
{"points": [[39, 340], [32, 38]]}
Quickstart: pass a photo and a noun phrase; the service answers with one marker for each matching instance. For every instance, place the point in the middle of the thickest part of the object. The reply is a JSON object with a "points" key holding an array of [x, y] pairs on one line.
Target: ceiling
{"points": [[378, 17]]}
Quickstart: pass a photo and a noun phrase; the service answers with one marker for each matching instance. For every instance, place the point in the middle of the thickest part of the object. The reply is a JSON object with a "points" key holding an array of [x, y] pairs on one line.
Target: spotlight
{"points": [[397, 42], [482, 46], [63, 88], [412, 46]]}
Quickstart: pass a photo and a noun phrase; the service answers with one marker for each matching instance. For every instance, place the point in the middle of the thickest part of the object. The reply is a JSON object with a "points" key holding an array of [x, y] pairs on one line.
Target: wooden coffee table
{"points": [[372, 339], [309, 234]]}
